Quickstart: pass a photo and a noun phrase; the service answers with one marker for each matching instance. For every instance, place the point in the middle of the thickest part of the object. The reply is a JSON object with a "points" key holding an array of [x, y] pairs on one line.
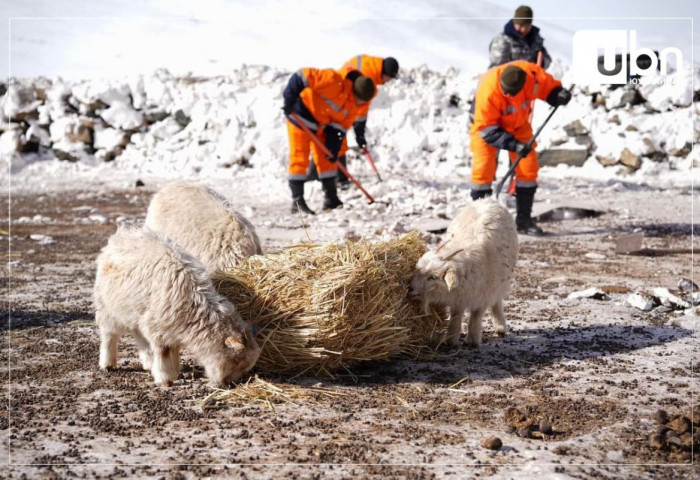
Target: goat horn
{"points": [[440, 247], [453, 254]]}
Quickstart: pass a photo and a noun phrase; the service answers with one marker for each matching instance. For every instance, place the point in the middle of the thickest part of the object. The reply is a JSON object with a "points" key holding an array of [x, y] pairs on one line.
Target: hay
{"points": [[261, 392], [323, 309]]}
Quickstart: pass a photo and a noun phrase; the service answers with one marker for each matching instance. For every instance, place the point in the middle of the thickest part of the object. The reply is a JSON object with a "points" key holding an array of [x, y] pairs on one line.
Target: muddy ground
{"points": [[575, 391]]}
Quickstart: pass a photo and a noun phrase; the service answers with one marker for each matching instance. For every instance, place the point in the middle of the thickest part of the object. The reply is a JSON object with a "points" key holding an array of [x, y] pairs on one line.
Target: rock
{"points": [[545, 427], [680, 425], [615, 119], [631, 128], [182, 119], [629, 159], [10, 141], [669, 299], [657, 441], [661, 417], [595, 256], [642, 301], [682, 152], [598, 100], [524, 432], [139, 183], [606, 161], [575, 129], [492, 443], [687, 285], [573, 157], [154, 116], [593, 292]]}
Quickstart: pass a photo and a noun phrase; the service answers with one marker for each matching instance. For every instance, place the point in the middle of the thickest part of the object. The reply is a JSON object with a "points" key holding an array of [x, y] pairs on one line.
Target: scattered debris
{"points": [[593, 292], [686, 285], [643, 301], [492, 443]]}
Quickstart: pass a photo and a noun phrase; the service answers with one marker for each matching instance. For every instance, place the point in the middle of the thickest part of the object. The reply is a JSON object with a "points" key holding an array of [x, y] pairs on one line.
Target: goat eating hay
{"points": [[324, 308]]}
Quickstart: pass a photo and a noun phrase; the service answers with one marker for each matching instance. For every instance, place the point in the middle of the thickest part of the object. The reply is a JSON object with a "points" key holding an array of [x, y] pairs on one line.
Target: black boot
{"points": [[343, 181], [524, 198], [298, 202], [478, 194], [330, 199]]}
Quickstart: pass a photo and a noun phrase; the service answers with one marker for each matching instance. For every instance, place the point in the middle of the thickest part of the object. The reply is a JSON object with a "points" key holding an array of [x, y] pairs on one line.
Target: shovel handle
{"points": [[327, 152], [371, 162]]}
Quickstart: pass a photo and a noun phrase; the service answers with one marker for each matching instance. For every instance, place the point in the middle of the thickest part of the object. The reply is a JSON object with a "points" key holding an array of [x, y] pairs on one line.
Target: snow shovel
{"points": [[323, 148], [632, 245], [371, 162], [511, 170]]}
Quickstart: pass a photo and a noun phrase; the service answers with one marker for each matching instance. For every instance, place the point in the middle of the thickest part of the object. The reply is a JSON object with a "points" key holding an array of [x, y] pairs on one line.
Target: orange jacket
{"points": [[326, 96], [496, 115], [369, 67]]}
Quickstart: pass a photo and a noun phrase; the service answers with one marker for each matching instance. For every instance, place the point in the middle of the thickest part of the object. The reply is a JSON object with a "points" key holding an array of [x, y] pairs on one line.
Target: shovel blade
{"points": [[629, 243]]}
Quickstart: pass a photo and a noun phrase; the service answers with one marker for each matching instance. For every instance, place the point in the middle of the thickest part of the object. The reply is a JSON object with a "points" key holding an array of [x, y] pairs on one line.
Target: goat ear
{"points": [[451, 279], [235, 343]]}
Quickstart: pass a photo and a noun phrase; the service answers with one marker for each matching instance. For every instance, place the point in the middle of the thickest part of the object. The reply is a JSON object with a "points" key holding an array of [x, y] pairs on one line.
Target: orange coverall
{"points": [[501, 120], [369, 67], [328, 101]]}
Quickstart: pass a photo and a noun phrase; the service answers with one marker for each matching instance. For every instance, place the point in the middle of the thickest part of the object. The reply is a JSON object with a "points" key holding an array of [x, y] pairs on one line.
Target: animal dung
{"points": [[321, 309]]}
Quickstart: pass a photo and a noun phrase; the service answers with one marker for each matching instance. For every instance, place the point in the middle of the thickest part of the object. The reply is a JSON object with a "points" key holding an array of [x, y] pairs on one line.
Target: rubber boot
{"points": [[343, 181], [298, 202], [524, 198], [330, 199], [479, 194]]}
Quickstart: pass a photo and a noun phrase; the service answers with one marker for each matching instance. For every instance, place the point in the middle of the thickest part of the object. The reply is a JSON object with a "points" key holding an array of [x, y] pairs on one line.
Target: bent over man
{"points": [[381, 71], [502, 108], [328, 104]]}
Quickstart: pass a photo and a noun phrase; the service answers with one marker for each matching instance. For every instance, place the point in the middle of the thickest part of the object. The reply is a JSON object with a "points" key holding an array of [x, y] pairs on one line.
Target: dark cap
{"points": [[390, 67], [363, 88], [512, 79], [523, 15]]}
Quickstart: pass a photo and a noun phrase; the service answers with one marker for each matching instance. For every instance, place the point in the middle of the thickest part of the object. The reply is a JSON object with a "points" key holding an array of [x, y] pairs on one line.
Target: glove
{"points": [[334, 140], [287, 108], [361, 140], [559, 97], [522, 149], [359, 128]]}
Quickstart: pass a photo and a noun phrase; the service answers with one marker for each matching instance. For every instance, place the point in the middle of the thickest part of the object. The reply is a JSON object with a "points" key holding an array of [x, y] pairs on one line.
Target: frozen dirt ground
{"points": [[598, 371]]}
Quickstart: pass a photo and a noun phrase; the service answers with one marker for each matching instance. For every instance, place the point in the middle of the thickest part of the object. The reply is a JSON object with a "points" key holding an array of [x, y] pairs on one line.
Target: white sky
{"points": [[77, 39]]}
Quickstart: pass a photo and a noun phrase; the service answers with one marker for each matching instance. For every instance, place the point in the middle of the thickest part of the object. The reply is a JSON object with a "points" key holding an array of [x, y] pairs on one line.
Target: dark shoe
{"points": [[298, 202], [528, 227], [301, 206], [330, 199]]}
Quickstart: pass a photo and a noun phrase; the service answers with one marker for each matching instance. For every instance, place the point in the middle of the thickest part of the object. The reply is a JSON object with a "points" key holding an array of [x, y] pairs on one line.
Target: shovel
{"points": [[511, 170], [323, 148], [371, 162], [632, 245]]}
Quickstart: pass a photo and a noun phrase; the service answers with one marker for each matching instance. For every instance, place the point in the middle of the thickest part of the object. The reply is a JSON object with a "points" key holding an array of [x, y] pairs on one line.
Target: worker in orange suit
{"points": [[501, 120], [327, 103], [381, 71]]}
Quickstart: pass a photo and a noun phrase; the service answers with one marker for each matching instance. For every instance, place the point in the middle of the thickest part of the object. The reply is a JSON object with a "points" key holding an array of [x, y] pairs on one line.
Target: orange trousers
{"points": [[484, 161], [300, 146]]}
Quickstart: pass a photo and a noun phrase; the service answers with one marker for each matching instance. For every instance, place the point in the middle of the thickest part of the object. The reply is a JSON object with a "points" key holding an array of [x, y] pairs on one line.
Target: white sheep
{"points": [[149, 287], [472, 270], [202, 222]]}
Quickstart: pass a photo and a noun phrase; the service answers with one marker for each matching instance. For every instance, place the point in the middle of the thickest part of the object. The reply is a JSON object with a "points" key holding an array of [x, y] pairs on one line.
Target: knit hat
{"points": [[390, 67], [512, 79], [523, 15], [363, 88]]}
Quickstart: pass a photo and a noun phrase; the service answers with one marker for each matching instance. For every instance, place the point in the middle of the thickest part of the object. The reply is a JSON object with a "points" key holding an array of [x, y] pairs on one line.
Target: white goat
{"points": [[202, 222], [472, 270], [151, 288]]}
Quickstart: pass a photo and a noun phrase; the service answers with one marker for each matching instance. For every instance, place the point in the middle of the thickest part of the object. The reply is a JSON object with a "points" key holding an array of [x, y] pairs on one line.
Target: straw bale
{"points": [[324, 308]]}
